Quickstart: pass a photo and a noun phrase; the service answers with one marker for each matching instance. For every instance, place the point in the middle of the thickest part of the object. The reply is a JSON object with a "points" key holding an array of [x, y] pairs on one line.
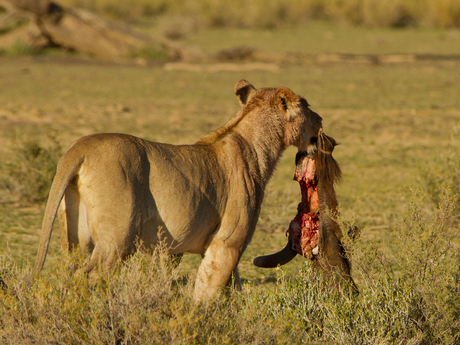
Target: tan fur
{"points": [[112, 189], [332, 256]]}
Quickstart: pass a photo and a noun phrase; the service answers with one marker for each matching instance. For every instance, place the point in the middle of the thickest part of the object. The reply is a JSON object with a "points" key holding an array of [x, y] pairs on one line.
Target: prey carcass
{"points": [[314, 232]]}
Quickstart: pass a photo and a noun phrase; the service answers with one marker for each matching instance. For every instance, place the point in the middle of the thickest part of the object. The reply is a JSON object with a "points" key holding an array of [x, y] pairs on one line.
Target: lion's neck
{"points": [[220, 133], [267, 143], [263, 137]]}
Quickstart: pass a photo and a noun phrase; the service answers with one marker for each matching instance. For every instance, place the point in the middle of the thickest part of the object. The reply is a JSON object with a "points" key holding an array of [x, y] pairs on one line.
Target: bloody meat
{"points": [[304, 228]]}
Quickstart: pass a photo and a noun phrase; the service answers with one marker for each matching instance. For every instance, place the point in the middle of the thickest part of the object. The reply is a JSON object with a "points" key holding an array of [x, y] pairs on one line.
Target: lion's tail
{"points": [[63, 177]]}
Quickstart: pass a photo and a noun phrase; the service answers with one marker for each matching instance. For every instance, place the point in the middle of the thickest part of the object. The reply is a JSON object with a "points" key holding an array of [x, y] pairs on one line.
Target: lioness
{"points": [[112, 189]]}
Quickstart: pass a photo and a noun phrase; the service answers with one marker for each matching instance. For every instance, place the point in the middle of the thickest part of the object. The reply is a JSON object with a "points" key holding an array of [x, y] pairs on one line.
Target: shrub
{"points": [[444, 170], [29, 169], [19, 48], [411, 299]]}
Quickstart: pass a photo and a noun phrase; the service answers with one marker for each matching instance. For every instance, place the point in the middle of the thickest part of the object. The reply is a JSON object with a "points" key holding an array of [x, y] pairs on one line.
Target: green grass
{"points": [[19, 48], [398, 129], [322, 37]]}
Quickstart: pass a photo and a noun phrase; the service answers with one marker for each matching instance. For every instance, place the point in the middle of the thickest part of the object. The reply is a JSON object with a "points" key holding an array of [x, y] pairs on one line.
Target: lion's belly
{"points": [[178, 238], [184, 225]]}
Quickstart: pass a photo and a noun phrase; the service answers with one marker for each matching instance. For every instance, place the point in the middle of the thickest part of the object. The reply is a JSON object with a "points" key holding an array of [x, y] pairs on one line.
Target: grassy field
{"points": [[277, 13], [322, 37], [398, 125]]}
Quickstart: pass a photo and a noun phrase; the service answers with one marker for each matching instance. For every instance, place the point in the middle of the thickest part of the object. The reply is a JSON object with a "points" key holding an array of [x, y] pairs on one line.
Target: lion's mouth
{"points": [[304, 228], [312, 147]]}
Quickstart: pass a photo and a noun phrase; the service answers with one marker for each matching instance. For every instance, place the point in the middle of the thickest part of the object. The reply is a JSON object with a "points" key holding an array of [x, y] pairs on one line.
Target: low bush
{"points": [[408, 296], [28, 169], [444, 170], [19, 48]]}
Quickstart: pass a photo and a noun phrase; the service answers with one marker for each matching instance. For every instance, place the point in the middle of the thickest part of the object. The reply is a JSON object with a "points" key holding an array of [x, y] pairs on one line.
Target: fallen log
{"points": [[55, 25]]}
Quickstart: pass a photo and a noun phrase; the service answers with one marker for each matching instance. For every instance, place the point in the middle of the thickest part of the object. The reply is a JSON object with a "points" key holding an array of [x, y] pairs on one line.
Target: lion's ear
{"points": [[287, 102], [244, 91]]}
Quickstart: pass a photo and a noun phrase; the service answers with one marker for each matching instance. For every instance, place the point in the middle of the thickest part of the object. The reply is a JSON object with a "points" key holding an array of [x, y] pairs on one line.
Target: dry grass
{"points": [[30, 168], [146, 299], [400, 153], [275, 13]]}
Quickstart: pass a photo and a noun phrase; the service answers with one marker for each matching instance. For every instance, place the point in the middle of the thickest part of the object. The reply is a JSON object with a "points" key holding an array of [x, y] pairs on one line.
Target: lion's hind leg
{"points": [[73, 222], [114, 238], [104, 256], [101, 256]]}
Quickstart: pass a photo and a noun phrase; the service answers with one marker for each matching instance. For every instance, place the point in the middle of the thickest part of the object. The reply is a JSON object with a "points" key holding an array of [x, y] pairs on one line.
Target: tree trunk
{"points": [[80, 30]]}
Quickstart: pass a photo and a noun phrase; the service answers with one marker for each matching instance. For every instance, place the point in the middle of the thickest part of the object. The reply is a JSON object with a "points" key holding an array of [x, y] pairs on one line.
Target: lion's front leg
{"points": [[216, 268], [236, 279]]}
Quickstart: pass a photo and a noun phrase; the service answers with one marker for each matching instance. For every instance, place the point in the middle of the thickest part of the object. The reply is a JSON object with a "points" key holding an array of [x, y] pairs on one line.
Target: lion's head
{"points": [[302, 125]]}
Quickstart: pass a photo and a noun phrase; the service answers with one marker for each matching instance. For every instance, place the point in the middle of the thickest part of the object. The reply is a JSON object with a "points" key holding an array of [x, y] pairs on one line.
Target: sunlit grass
{"points": [[147, 299], [397, 125], [275, 13]]}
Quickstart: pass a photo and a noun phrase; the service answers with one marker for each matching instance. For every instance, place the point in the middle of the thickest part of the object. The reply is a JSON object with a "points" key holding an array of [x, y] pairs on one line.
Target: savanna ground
{"points": [[398, 124]]}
